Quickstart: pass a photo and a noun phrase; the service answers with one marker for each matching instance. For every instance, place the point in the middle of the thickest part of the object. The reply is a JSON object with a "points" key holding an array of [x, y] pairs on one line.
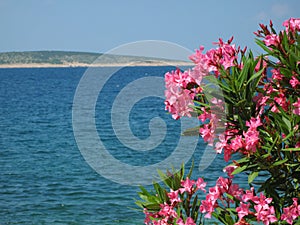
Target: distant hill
{"points": [[61, 58], [51, 57]]}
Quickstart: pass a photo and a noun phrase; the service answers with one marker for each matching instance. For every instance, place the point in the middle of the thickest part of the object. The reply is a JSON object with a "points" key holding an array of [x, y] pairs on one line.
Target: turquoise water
{"points": [[44, 178]]}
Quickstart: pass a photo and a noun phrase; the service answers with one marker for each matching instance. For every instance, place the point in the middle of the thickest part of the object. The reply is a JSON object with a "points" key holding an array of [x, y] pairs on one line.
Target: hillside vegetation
{"points": [[65, 58]]}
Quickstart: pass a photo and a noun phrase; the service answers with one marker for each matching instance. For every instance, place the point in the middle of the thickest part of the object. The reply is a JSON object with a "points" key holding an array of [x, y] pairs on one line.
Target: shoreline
{"points": [[129, 64]]}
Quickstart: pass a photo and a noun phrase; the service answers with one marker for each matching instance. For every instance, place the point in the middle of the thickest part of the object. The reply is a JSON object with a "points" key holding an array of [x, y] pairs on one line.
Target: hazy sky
{"points": [[98, 25]]}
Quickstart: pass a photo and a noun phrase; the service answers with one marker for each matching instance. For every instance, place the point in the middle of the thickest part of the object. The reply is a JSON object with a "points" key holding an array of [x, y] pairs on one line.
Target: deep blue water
{"points": [[44, 178]]}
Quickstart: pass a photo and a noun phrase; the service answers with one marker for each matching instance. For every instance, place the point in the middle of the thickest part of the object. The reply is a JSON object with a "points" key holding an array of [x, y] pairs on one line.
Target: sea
{"points": [[48, 176]]}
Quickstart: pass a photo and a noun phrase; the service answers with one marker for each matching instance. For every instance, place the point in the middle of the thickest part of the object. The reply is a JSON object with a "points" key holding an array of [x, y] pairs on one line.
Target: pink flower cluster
{"points": [[272, 39], [178, 98], [179, 94], [292, 212], [184, 88], [224, 194], [168, 210], [207, 131], [218, 195], [183, 91], [245, 143], [296, 106], [263, 211], [224, 56], [278, 90], [167, 215], [292, 24], [191, 186], [275, 96]]}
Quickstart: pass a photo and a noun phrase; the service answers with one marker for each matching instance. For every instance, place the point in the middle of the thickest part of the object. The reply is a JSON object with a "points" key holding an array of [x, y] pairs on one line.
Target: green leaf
{"points": [[280, 162], [229, 219], [289, 135], [242, 160], [254, 76], [189, 175], [239, 170], [160, 191], [194, 206], [291, 149], [243, 74], [214, 80], [152, 206], [252, 176], [262, 45]]}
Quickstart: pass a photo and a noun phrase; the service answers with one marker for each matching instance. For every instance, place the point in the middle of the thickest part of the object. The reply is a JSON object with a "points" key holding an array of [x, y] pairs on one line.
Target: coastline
{"points": [[129, 64]]}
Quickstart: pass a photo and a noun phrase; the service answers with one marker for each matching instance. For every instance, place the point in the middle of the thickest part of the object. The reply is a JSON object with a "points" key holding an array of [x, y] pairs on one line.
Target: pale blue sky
{"points": [[98, 26]]}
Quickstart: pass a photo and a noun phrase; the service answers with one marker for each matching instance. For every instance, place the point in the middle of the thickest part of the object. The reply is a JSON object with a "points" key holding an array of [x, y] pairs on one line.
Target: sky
{"points": [[99, 25]]}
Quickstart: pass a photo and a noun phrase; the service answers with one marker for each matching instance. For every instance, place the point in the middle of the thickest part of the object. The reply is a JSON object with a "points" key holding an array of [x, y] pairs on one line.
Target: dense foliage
{"points": [[261, 100]]}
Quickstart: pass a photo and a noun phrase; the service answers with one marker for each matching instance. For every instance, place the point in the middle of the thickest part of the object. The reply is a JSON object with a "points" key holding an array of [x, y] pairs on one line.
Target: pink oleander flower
{"points": [[251, 135], [276, 75], [254, 123], [200, 184], [294, 82], [272, 39], [296, 109], [179, 104], [270, 89], [274, 108], [149, 217], [211, 61], [210, 203], [282, 101], [229, 169], [249, 195], [197, 74], [218, 102], [228, 53], [224, 56], [189, 221], [187, 185], [243, 210], [261, 200], [198, 57], [223, 184], [163, 221], [201, 65], [227, 153], [207, 133], [178, 99], [265, 214], [251, 141], [212, 58], [222, 143], [242, 222], [167, 211], [261, 64], [177, 79], [237, 143], [261, 102], [205, 115], [236, 191], [174, 198], [292, 24], [292, 212]]}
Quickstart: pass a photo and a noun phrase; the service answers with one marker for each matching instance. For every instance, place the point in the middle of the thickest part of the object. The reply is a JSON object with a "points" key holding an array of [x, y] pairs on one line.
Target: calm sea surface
{"points": [[44, 178]]}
